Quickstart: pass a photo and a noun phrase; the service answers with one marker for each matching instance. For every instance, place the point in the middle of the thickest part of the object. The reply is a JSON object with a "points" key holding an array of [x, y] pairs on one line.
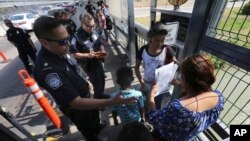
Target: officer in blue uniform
{"points": [[87, 43], [21, 40], [57, 74]]}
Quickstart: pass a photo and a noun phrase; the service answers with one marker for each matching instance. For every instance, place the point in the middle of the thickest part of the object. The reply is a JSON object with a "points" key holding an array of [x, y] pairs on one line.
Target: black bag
{"points": [[109, 23]]}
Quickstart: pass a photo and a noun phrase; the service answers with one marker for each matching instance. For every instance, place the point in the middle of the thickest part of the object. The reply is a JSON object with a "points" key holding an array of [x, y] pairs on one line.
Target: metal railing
{"points": [[140, 35], [233, 82], [227, 42]]}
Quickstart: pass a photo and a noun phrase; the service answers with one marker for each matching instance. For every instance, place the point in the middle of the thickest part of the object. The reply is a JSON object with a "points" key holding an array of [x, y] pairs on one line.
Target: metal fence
{"points": [[227, 41], [232, 23], [233, 82]]}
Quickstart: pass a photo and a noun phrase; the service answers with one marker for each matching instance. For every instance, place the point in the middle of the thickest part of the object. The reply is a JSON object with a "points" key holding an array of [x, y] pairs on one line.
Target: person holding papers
{"points": [[197, 109], [153, 55]]}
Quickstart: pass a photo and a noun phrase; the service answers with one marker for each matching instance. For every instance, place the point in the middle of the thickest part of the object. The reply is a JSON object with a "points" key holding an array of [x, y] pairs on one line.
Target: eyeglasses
{"points": [[62, 42], [89, 26]]}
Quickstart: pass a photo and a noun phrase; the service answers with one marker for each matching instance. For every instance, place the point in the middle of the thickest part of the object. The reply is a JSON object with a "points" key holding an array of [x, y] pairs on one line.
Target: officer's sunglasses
{"points": [[62, 42], [89, 26]]}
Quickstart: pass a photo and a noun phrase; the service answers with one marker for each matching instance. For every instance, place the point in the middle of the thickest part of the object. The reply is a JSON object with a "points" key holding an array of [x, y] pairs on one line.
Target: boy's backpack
{"points": [[109, 23]]}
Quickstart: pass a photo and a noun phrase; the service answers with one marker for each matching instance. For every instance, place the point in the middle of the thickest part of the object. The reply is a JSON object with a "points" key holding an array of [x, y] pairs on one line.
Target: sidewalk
{"points": [[8, 50]]}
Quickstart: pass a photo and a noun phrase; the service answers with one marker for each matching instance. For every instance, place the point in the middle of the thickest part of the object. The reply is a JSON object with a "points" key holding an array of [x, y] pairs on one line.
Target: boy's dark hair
{"points": [[124, 76], [134, 131], [44, 25], [157, 29]]}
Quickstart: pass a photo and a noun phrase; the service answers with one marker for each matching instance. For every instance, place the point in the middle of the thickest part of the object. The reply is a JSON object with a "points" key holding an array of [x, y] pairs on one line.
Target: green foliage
{"points": [[246, 9], [218, 63]]}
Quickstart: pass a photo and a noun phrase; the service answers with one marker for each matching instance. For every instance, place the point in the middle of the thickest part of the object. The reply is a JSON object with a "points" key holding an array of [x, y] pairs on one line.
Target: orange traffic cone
{"points": [[33, 88], [3, 56]]}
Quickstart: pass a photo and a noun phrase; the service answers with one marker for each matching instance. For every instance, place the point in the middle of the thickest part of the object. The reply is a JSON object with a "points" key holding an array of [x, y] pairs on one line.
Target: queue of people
{"points": [[69, 66]]}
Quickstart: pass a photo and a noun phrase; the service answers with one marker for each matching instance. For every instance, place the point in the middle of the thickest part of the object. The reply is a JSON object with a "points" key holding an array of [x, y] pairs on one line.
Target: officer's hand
{"points": [[118, 99]]}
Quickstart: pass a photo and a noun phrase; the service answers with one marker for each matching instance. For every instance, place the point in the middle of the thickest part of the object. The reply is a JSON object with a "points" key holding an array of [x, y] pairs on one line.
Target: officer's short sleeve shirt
{"points": [[59, 78]]}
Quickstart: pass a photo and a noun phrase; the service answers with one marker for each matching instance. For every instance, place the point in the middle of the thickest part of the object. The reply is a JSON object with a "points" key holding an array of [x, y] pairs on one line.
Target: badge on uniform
{"points": [[53, 80], [17, 32]]}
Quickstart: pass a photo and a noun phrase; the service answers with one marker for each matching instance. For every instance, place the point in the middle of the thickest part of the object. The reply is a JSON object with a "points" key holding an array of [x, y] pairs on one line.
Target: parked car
{"points": [[23, 20], [36, 14], [45, 9], [57, 9]]}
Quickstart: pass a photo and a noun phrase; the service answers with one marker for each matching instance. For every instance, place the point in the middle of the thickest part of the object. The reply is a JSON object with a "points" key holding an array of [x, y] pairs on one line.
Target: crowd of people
{"points": [[70, 67]]}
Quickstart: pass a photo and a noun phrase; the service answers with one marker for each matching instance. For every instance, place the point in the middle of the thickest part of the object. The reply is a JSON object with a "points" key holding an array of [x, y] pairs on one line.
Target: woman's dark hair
{"points": [[157, 29], [197, 74], [44, 25], [134, 131], [124, 76]]}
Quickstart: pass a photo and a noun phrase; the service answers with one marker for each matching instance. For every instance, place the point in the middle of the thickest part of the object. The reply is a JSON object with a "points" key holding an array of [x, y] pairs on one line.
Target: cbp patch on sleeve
{"points": [[53, 80]]}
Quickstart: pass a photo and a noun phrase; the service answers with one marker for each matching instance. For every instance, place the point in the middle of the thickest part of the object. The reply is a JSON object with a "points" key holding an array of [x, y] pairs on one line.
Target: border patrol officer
{"points": [[68, 23], [88, 42], [21, 40], [58, 76]]}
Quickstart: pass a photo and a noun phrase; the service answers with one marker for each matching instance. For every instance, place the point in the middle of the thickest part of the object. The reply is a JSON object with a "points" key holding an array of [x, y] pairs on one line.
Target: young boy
{"points": [[127, 113]]}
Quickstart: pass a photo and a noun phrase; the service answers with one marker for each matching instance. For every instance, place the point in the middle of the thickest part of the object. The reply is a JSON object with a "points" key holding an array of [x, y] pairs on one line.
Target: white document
{"points": [[163, 76]]}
